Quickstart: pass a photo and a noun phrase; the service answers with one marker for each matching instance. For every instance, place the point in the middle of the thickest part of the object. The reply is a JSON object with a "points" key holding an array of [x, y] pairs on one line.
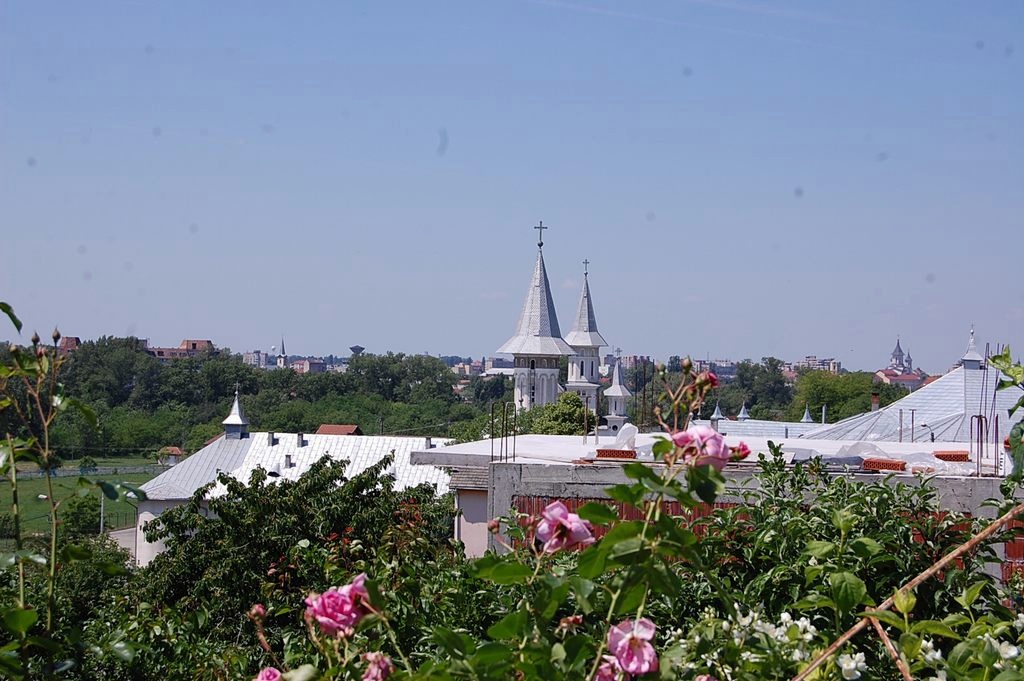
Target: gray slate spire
{"points": [[584, 332], [744, 414], [537, 332], [807, 415], [236, 426]]}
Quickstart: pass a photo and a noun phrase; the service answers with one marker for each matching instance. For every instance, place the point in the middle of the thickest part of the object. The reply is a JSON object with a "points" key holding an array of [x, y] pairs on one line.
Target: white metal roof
{"points": [[240, 457], [942, 408]]}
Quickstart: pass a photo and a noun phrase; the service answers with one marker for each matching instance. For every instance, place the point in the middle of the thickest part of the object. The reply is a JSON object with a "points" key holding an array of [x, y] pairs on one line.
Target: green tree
{"points": [[81, 515], [844, 395], [566, 416]]}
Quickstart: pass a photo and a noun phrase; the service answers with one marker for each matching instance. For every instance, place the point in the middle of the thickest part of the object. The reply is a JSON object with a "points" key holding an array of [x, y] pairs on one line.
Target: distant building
{"points": [[256, 358], [67, 345], [189, 347], [309, 365], [901, 370], [813, 363]]}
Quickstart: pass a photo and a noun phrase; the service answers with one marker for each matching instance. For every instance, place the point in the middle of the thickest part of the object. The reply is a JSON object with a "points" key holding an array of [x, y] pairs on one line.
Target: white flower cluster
{"points": [[929, 653], [852, 665], [1007, 651]]}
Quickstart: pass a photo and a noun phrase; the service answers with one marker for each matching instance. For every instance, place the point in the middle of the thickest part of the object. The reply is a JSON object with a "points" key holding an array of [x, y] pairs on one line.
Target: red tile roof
{"points": [[338, 429]]}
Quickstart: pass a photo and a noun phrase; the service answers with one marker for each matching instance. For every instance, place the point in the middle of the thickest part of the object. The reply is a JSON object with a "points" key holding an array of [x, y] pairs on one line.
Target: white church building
{"points": [[537, 348]]}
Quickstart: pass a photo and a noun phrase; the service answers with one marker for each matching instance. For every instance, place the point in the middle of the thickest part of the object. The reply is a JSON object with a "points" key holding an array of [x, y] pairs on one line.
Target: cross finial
{"points": [[586, 265], [236, 388], [618, 352], [540, 234]]}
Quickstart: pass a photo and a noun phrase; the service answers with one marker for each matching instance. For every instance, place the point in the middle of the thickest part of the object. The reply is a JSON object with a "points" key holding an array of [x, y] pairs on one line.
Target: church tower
{"points": [[586, 342], [618, 396], [282, 357], [236, 426], [537, 344], [896, 358]]}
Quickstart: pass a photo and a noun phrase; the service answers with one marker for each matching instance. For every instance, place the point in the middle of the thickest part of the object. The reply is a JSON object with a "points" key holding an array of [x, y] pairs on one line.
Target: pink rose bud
{"points": [[257, 612], [494, 526], [268, 674], [740, 451], [378, 666], [560, 529]]}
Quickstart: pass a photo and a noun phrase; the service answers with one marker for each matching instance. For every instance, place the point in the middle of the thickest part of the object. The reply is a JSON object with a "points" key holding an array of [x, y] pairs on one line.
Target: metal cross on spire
{"points": [[586, 265], [540, 234]]}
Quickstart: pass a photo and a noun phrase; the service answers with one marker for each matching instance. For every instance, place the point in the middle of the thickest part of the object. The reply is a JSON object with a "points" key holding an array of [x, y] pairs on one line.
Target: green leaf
{"points": [[508, 572], [74, 552], [819, 549], [886, 617], [848, 590], [640, 471], [510, 626], [557, 653], [451, 642], [970, 594], [662, 446], [82, 408], [109, 491], [865, 547], [598, 514], [843, 519], [933, 628], [491, 653], [123, 651], [626, 494], [9, 311], [815, 601], [592, 561], [19, 620], [706, 482]]}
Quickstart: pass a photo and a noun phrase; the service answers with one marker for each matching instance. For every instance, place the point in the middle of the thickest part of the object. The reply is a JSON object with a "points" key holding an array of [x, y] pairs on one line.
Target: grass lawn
{"points": [[35, 511], [101, 461]]}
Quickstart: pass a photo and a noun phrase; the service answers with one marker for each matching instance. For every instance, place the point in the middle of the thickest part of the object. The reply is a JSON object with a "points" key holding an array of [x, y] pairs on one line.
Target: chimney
{"points": [[270, 439], [875, 401], [824, 412], [430, 445], [288, 461], [299, 441]]}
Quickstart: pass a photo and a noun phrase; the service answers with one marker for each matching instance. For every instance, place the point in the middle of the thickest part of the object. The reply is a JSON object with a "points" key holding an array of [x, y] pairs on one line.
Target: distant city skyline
{"points": [[746, 179]]}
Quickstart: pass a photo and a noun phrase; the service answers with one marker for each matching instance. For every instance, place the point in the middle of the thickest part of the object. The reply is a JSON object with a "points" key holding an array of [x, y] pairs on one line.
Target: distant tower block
{"points": [[618, 397], [537, 344], [586, 342]]}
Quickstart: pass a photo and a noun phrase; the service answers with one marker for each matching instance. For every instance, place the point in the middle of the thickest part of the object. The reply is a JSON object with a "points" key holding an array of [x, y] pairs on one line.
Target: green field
{"points": [[35, 511]]}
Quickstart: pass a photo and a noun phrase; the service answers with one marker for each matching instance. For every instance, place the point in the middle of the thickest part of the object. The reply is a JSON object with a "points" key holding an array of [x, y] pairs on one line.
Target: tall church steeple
{"points": [[537, 343], [586, 342], [618, 396]]}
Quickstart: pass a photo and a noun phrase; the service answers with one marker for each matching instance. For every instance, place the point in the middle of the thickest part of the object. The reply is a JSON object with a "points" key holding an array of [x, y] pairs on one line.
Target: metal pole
{"points": [[102, 511], [912, 424]]}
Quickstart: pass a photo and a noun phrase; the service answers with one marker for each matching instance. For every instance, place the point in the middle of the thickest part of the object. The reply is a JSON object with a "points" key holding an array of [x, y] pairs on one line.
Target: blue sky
{"points": [[746, 178]]}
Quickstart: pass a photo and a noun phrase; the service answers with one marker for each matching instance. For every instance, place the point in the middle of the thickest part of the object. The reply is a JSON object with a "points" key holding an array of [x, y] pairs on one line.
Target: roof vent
{"points": [[299, 442], [271, 441]]}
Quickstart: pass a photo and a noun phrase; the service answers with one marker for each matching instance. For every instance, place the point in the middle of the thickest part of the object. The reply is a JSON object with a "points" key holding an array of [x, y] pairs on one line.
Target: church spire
{"points": [[584, 331], [537, 332], [972, 359]]}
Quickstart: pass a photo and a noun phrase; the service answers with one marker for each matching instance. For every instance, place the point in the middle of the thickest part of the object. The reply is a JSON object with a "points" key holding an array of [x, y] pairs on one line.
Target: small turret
{"points": [[236, 426]]}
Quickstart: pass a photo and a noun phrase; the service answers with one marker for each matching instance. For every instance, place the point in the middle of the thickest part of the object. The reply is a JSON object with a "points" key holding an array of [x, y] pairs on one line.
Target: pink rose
{"points": [[609, 669], [257, 612], [268, 674], [705, 677], [703, 446], [378, 666], [338, 611], [740, 451], [560, 529], [629, 642]]}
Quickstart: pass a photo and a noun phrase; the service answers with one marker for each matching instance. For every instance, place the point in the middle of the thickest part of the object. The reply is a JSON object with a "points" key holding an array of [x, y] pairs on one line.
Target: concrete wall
{"points": [[471, 523], [509, 480]]}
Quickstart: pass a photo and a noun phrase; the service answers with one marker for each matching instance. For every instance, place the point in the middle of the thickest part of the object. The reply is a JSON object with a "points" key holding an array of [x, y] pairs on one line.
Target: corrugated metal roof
{"points": [[361, 452], [758, 428], [181, 481], [537, 332], [241, 457], [943, 407]]}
